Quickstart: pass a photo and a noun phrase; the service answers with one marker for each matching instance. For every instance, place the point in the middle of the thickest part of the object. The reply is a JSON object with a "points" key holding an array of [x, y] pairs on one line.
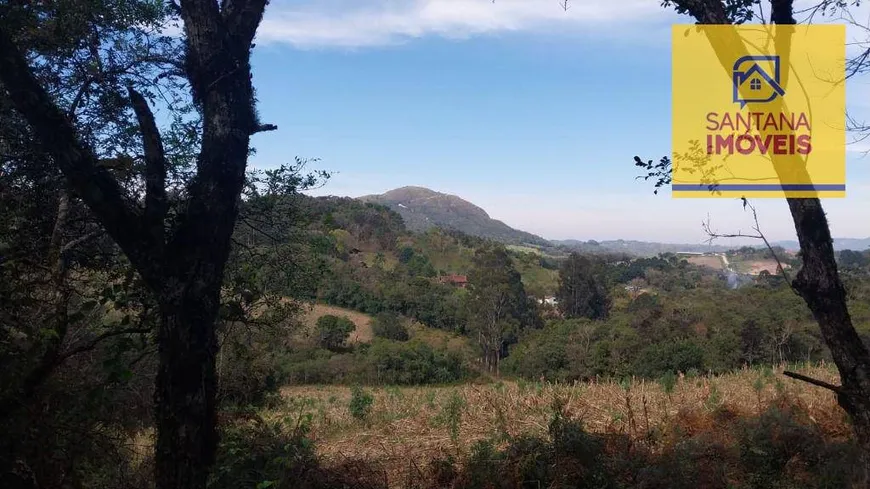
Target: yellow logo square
{"points": [[758, 111]]}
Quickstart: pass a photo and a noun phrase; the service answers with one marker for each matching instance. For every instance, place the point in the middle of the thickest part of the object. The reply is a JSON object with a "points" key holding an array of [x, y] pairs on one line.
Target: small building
{"points": [[460, 281]]}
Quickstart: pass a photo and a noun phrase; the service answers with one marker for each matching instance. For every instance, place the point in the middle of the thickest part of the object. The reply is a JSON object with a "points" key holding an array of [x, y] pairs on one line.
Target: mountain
{"points": [[840, 244], [422, 208]]}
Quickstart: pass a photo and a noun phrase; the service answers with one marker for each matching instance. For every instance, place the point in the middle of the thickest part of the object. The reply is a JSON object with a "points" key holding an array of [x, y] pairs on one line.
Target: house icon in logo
{"points": [[756, 79]]}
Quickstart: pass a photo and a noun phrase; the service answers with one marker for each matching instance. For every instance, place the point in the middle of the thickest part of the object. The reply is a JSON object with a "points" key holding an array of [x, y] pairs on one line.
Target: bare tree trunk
{"points": [[185, 394], [184, 268], [818, 281]]}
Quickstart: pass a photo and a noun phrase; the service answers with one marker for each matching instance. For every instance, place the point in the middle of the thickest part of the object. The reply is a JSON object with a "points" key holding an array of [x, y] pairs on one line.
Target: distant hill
{"points": [[637, 248], [647, 248], [840, 244], [422, 209]]}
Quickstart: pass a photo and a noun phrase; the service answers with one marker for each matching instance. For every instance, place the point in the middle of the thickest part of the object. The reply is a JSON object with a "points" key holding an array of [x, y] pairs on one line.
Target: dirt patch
{"points": [[757, 266], [713, 262], [363, 332]]}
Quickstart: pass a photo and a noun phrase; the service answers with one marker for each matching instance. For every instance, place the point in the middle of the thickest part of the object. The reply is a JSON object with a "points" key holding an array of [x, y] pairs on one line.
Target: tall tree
{"points": [[818, 281], [498, 304], [180, 257], [582, 288]]}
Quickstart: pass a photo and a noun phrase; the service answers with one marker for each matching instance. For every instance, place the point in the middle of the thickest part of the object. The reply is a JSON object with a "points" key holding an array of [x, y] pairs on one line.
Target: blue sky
{"points": [[529, 111]]}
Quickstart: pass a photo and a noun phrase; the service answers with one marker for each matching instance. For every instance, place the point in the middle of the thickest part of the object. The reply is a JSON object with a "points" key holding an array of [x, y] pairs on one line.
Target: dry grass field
{"points": [[713, 262], [410, 426]]}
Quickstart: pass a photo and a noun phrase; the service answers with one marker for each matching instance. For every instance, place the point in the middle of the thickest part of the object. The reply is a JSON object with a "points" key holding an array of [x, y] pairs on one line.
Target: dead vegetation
{"points": [[410, 427]]}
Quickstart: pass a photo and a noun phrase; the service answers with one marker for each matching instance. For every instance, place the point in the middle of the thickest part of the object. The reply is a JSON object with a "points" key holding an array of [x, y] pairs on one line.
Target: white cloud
{"points": [[366, 23], [341, 23]]}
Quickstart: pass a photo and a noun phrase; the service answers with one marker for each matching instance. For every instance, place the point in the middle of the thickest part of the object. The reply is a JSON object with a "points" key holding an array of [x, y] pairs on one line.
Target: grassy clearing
{"points": [[363, 332], [525, 249], [415, 425], [437, 338]]}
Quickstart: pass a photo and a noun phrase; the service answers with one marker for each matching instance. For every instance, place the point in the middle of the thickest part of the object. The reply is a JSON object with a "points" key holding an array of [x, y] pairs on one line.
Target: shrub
{"points": [[389, 325], [278, 454], [675, 356], [261, 453], [360, 403], [783, 445], [412, 363], [333, 331], [569, 458], [451, 415]]}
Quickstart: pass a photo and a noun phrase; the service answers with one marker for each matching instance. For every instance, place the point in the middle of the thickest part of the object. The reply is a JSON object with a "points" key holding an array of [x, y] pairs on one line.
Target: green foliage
{"points": [[850, 259], [389, 325], [770, 443], [660, 358], [406, 254], [361, 402], [668, 381], [450, 415], [779, 449], [674, 328], [263, 453], [279, 454], [384, 362], [570, 457], [498, 304], [412, 363], [557, 352], [333, 332], [583, 288], [250, 363]]}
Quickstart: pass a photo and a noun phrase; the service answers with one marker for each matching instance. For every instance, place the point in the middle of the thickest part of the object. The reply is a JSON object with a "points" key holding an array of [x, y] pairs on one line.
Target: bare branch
{"points": [[265, 128], [813, 381], [76, 242], [155, 166], [758, 235], [102, 337]]}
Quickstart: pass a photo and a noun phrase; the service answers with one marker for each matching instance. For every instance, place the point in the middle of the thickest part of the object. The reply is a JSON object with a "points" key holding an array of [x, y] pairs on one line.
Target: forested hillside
{"points": [[611, 316]]}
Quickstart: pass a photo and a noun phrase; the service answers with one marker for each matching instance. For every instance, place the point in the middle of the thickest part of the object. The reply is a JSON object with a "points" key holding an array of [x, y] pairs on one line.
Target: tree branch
{"points": [[104, 336], [265, 128], [758, 235], [781, 12], [813, 381], [155, 167], [243, 17], [94, 185], [704, 11], [81, 239]]}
